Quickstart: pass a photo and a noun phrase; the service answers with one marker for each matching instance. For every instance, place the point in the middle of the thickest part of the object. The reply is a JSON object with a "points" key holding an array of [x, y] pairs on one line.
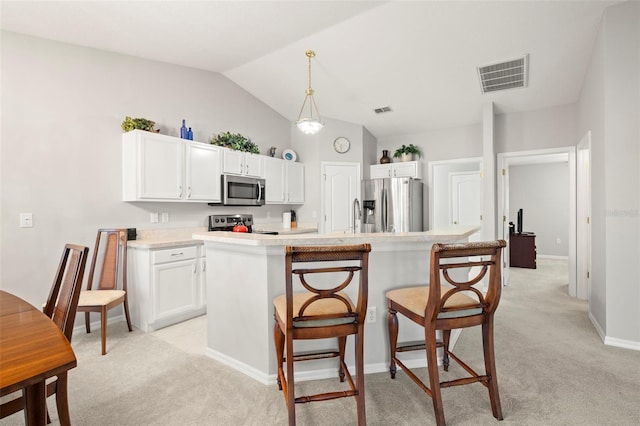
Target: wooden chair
{"points": [[446, 307], [61, 308], [112, 260], [320, 312]]}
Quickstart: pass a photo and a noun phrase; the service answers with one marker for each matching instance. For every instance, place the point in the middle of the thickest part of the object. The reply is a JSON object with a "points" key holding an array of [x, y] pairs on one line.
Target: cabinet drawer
{"points": [[174, 255]]}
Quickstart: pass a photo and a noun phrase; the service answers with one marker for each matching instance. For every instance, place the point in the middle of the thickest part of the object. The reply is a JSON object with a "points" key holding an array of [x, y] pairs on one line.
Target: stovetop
{"points": [[226, 222]]}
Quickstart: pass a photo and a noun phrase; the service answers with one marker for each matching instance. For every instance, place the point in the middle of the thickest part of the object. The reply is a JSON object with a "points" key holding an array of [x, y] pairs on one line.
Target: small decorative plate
{"points": [[289, 155]]}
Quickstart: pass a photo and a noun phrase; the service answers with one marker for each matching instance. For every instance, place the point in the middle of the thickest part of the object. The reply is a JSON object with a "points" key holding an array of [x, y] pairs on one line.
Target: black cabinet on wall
{"points": [[522, 250]]}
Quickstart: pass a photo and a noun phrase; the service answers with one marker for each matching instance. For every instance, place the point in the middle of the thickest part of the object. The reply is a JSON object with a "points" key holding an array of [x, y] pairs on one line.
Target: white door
{"points": [[466, 207], [466, 200], [340, 184]]}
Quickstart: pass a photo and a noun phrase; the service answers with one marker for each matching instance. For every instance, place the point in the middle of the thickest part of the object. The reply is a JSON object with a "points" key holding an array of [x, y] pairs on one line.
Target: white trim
{"points": [[621, 343], [95, 325], [523, 157], [596, 325], [552, 256], [246, 369]]}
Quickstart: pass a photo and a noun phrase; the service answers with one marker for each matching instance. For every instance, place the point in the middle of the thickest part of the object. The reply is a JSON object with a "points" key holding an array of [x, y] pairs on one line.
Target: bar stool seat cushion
{"points": [[320, 307], [415, 300]]}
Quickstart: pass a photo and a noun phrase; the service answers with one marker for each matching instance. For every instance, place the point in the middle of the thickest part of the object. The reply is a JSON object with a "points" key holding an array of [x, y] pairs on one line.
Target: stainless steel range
{"points": [[226, 222]]}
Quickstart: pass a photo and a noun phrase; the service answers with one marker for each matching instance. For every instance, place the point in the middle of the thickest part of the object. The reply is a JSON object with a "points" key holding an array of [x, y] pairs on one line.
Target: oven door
{"points": [[242, 191]]}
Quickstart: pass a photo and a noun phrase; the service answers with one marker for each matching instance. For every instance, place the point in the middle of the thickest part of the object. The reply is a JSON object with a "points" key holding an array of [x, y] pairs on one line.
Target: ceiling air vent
{"points": [[383, 109], [504, 75]]}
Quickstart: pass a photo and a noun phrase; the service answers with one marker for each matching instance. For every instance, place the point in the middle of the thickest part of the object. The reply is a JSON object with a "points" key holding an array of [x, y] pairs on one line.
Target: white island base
{"points": [[246, 272]]}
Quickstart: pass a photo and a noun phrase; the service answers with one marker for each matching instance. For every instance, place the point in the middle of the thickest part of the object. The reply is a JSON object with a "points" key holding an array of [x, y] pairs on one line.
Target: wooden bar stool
{"points": [[446, 307], [320, 313]]}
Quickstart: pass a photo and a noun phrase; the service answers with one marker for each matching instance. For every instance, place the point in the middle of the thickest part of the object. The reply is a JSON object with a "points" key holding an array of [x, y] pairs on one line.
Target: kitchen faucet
{"points": [[356, 208]]}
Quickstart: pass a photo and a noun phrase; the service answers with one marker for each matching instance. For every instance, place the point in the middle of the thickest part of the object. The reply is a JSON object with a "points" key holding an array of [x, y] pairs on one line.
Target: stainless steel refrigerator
{"points": [[392, 205]]}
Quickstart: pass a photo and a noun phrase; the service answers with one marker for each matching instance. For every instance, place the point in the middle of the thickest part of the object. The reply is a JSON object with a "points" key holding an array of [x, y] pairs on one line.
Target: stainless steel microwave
{"points": [[242, 191]]}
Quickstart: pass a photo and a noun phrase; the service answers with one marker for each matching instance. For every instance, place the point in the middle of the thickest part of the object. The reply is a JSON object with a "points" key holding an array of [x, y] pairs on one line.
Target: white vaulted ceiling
{"points": [[418, 57]]}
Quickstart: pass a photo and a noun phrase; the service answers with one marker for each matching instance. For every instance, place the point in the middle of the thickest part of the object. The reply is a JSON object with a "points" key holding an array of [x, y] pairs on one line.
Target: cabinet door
{"points": [[253, 165], [159, 167], [174, 287], [295, 182], [274, 175], [203, 172], [378, 171], [406, 169], [233, 162]]}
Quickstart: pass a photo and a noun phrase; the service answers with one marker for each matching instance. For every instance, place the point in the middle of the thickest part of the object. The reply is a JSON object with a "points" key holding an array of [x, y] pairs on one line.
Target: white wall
{"points": [[553, 127], [62, 107], [610, 107], [312, 149], [542, 191]]}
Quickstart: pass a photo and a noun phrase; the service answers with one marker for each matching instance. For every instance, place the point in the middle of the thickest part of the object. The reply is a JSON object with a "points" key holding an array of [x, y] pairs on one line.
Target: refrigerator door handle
{"points": [[384, 210]]}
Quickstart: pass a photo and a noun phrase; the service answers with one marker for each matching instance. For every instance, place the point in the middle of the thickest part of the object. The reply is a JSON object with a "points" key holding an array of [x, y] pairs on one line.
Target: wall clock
{"points": [[341, 144]]}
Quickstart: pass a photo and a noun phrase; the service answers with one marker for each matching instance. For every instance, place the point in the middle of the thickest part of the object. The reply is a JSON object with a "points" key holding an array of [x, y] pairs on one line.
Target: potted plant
{"points": [[407, 152], [138, 123], [235, 141]]}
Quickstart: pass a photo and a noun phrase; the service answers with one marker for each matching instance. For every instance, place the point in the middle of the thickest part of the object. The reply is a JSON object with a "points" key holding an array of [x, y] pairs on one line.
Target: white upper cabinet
{"points": [[242, 163], [274, 176], [204, 167], [164, 168], [295, 182], [412, 169], [284, 181]]}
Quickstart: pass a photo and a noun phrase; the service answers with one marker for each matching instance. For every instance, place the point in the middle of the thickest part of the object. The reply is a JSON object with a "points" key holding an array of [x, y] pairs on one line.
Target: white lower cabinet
{"points": [[165, 286]]}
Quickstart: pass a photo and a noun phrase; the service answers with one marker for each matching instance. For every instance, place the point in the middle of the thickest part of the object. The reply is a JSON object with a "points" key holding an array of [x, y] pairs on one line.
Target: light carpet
{"points": [[553, 369]]}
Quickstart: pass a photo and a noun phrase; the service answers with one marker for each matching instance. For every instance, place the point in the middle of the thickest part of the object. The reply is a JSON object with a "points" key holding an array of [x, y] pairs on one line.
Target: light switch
{"points": [[26, 220], [154, 217]]}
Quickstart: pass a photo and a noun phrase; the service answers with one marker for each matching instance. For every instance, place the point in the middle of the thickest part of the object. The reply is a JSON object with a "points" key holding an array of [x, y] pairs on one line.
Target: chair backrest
{"points": [[342, 258], [62, 302], [110, 257], [457, 257]]}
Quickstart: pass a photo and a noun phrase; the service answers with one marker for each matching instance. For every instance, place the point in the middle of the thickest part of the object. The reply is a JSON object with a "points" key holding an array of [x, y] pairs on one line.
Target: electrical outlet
{"points": [[153, 217], [26, 220], [371, 314], [558, 241], [165, 217]]}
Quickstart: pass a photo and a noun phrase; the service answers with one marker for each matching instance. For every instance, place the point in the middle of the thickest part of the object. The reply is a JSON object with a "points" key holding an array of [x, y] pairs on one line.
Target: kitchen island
{"points": [[246, 272]]}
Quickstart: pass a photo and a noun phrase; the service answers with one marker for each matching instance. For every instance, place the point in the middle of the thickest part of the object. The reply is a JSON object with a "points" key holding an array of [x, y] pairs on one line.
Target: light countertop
{"points": [[181, 237], [442, 234]]}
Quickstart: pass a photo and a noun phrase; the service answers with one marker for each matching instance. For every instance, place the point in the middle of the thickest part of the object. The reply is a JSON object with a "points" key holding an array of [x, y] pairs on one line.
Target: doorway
{"points": [[505, 160]]}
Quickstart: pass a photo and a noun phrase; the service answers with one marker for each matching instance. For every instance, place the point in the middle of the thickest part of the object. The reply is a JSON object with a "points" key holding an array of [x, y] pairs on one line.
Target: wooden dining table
{"points": [[32, 349]]}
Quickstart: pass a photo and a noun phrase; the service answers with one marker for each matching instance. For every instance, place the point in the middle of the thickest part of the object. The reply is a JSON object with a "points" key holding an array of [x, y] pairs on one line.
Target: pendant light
{"points": [[310, 124]]}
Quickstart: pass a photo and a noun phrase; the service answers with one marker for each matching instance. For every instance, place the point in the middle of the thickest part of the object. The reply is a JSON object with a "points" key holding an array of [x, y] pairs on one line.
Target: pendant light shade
{"points": [[311, 122]]}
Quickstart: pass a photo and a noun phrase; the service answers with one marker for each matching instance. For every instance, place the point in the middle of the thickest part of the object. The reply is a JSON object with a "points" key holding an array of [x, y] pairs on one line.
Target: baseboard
{"points": [[621, 343], [596, 325], [265, 379], [612, 341], [551, 256], [303, 376]]}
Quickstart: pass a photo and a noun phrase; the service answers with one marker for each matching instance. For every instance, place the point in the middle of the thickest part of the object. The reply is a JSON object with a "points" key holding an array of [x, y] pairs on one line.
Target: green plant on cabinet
{"points": [[236, 142], [410, 149]]}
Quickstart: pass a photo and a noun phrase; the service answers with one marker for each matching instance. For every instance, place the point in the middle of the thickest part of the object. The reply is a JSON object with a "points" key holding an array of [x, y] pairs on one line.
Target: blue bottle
{"points": [[190, 134], [183, 131]]}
